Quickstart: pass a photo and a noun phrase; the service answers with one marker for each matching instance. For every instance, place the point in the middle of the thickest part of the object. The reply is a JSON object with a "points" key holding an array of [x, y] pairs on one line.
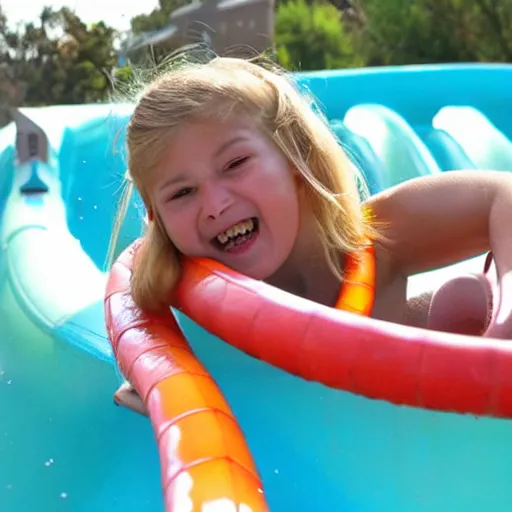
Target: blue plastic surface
{"points": [[65, 446]]}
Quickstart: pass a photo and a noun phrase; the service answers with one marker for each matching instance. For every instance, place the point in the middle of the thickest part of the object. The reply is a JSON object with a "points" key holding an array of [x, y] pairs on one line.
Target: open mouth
{"points": [[237, 235]]}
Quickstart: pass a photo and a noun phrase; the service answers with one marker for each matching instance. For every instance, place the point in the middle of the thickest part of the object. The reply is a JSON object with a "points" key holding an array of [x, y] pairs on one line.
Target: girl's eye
{"points": [[181, 193], [237, 163]]}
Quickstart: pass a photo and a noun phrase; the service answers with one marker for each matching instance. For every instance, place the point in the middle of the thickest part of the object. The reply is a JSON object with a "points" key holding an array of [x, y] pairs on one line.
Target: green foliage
{"points": [[309, 37], [59, 59], [424, 31], [124, 74], [147, 22], [158, 18]]}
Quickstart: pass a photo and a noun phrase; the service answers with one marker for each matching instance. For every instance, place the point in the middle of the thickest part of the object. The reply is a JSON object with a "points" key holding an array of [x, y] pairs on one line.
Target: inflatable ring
{"points": [[376, 359], [183, 400], [351, 352], [184, 403], [357, 294]]}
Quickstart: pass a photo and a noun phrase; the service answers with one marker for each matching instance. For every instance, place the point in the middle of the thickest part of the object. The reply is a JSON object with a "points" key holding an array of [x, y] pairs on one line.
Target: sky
{"points": [[116, 13]]}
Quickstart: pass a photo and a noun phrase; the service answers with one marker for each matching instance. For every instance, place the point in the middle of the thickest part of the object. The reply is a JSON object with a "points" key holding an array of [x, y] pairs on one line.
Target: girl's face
{"points": [[225, 191]]}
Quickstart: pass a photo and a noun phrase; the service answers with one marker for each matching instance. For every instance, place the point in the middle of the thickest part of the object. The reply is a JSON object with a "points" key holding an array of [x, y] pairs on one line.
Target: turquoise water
{"points": [[65, 446]]}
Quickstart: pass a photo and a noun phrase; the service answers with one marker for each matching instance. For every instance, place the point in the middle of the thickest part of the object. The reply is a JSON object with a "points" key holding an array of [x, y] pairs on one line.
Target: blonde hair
{"points": [[219, 88]]}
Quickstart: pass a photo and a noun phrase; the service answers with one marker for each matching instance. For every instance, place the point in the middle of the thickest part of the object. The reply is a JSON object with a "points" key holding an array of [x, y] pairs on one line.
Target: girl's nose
{"points": [[215, 200]]}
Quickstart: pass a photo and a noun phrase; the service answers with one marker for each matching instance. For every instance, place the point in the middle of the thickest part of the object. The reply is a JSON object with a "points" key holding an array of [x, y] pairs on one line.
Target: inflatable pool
{"points": [[384, 436]]}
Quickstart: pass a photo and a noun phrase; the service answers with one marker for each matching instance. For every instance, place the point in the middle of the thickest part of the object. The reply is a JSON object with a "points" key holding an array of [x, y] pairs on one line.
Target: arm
{"points": [[438, 220]]}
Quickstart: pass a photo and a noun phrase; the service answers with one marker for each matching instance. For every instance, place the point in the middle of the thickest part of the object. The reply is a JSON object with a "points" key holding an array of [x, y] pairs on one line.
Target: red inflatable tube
{"points": [[376, 359], [203, 453], [204, 456]]}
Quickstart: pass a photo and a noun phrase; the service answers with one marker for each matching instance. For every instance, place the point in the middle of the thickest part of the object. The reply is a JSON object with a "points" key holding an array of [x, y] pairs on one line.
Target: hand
{"points": [[462, 305], [499, 331], [128, 397], [500, 325]]}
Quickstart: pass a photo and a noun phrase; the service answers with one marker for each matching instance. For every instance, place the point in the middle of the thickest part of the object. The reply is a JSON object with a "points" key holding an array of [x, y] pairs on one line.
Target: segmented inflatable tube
{"points": [[351, 352], [204, 456], [379, 360]]}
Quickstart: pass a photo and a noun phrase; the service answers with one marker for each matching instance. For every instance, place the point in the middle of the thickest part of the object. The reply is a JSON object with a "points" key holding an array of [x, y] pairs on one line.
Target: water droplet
{"points": [[95, 207], [9, 381], [80, 218], [63, 495], [8, 486], [49, 462], [79, 198], [276, 471]]}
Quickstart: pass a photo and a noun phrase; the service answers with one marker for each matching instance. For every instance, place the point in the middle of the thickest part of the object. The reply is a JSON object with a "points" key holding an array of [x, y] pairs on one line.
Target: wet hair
{"points": [[218, 88]]}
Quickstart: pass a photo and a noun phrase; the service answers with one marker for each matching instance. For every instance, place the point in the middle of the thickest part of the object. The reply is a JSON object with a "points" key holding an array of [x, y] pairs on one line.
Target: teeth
{"points": [[238, 229]]}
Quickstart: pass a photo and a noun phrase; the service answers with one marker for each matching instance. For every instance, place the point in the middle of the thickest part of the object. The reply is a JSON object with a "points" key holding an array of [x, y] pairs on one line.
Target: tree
{"points": [[11, 92], [309, 37], [158, 18], [425, 31], [147, 23], [57, 60]]}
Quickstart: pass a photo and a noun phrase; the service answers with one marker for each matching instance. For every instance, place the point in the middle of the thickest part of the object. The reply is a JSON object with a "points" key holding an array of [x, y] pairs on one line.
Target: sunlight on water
{"points": [[64, 446], [63, 443]]}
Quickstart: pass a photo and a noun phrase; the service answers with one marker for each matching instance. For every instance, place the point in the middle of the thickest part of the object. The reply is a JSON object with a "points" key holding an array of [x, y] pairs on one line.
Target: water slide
{"points": [[65, 446]]}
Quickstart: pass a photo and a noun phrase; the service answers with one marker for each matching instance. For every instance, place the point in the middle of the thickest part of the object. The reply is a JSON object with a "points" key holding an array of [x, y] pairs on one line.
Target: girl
{"points": [[234, 164]]}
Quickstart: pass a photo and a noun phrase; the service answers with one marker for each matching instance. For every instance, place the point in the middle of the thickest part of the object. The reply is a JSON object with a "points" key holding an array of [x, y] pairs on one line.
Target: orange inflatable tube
{"points": [[204, 457], [376, 359]]}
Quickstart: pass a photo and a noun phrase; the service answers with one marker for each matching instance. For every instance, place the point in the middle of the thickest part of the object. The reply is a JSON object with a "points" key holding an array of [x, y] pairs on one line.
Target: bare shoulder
{"points": [[390, 287], [391, 301], [387, 271]]}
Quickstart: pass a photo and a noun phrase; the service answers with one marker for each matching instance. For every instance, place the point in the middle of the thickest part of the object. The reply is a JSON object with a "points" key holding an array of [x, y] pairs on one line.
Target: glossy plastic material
{"points": [[318, 448], [381, 360], [203, 452], [358, 293]]}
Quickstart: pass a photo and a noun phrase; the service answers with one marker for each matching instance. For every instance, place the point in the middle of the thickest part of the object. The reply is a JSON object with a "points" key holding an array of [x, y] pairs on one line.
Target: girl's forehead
{"points": [[210, 135], [196, 139]]}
